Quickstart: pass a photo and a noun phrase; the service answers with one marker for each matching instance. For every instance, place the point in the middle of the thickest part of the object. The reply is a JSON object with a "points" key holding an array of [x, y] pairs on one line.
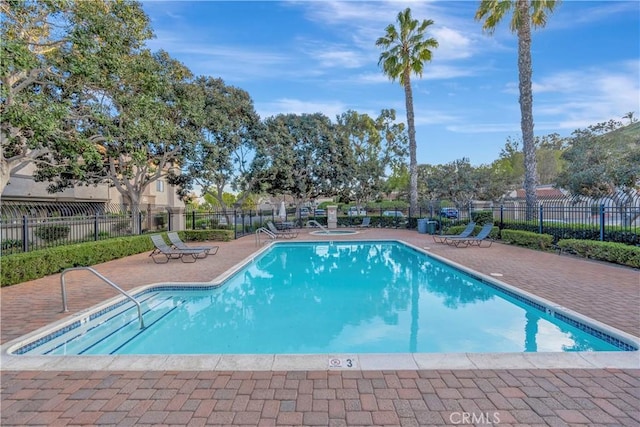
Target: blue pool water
{"points": [[329, 297]]}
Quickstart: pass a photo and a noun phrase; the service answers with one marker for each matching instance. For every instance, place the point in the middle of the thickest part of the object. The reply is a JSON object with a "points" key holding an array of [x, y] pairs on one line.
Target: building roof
{"points": [[545, 192]]}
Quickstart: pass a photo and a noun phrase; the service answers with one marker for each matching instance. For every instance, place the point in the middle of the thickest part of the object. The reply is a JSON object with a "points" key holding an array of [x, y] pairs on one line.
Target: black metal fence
{"points": [[598, 222], [240, 221], [563, 219], [33, 227]]}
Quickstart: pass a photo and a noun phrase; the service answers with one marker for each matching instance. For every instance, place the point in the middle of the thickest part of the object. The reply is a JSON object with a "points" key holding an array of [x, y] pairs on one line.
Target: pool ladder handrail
{"points": [[317, 224], [107, 281], [269, 233]]}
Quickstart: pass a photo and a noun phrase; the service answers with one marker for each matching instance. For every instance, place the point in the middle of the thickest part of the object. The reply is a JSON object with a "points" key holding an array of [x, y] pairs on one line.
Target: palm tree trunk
{"points": [[413, 162], [525, 71], [531, 333]]}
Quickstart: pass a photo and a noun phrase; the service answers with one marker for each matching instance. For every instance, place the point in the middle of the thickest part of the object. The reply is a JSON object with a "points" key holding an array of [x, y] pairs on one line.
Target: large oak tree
{"points": [[53, 52]]}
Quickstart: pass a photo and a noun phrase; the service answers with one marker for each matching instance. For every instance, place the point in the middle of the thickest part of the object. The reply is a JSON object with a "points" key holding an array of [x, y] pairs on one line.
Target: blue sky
{"points": [[320, 56]]}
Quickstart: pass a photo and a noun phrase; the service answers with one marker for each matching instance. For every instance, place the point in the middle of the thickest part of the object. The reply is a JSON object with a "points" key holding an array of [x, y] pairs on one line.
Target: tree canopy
{"points": [[603, 160], [376, 146], [52, 54], [303, 156], [227, 137]]}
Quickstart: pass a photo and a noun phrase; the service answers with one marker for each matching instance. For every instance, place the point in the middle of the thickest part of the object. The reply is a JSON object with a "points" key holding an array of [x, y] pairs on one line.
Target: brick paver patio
{"points": [[604, 292]]}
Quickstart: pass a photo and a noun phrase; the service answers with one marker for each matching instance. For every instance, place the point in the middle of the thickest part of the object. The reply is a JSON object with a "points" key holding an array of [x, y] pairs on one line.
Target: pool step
{"points": [[118, 325]]}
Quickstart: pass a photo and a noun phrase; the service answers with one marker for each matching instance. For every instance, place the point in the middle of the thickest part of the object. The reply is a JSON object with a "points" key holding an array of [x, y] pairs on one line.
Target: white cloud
{"points": [[297, 106], [372, 78], [430, 117], [597, 13], [340, 58], [452, 44], [581, 98], [334, 55], [484, 127]]}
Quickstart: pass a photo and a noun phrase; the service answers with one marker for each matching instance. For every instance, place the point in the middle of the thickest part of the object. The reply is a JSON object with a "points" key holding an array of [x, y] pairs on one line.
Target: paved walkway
{"points": [[604, 292]]}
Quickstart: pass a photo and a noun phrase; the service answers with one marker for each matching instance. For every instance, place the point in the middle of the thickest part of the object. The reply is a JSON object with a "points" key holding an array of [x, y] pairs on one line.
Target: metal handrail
{"points": [[107, 281], [265, 231], [317, 224]]}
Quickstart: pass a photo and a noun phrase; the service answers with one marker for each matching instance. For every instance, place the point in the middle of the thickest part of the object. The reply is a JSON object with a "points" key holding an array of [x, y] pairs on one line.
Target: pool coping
{"points": [[339, 361]]}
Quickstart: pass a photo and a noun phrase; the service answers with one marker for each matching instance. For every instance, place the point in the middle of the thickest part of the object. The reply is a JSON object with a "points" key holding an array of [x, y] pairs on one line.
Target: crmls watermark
{"points": [[474, 418]]}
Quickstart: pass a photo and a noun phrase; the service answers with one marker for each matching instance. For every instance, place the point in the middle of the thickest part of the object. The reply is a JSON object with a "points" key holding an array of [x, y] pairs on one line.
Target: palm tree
{"points": [[630, 116], [525, 14], [406, 52]]}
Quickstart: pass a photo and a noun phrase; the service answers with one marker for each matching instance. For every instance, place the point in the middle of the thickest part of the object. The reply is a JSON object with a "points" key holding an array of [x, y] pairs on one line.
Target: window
{"points": [[160, 186]]}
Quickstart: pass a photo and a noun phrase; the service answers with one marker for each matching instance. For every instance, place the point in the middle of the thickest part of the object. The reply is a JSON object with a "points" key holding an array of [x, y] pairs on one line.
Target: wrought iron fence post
{"points": [[540, 220], [193, 220], [601, 222], [96, 227], [140, 222], [235, 227], [25, 234], [501, 217]]}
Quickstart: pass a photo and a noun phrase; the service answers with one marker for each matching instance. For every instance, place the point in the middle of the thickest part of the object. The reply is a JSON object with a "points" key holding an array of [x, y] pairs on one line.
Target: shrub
{"points": [[527, 239], [160, 220], [618, 253], [121, 225], [612, 233], [11, 244], [482, 217], [50, 233], [452, 229], [102, 235], [457, 229], [204, 235], [22, 267]]}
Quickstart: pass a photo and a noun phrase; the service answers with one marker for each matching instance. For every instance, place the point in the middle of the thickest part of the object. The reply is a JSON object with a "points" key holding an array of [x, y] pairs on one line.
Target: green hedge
{"points": [[452, 229], [527, 239], [376, 221], [457, 229], [22, 267], [204, 235], [559, 231], [482, 217], [618, 253], [18, 268]]}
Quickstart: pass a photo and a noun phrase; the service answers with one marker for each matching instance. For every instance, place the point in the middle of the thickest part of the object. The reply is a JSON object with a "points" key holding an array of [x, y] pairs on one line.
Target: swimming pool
{"points": [[351, 297]]}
